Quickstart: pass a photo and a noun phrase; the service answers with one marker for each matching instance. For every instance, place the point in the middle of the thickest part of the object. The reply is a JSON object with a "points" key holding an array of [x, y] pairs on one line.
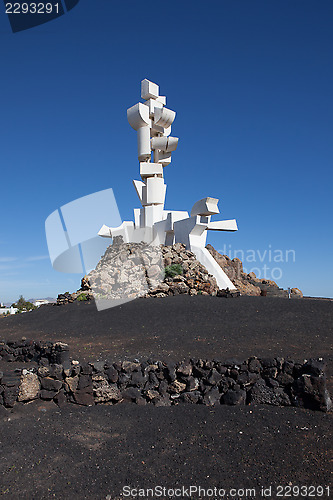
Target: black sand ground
{"points": [[93, 452]]}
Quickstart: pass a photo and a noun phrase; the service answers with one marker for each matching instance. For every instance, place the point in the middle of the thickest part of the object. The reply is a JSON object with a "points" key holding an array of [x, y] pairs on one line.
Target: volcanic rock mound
{"points": [[131, 270]]}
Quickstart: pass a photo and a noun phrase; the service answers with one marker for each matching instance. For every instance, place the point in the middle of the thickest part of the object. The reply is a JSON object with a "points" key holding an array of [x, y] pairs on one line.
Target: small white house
{"points": [[6, 310], [41, 302]]}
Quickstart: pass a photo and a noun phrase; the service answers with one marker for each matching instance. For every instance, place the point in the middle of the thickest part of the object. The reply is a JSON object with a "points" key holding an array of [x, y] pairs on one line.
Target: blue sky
{"points": [[251, 82]]}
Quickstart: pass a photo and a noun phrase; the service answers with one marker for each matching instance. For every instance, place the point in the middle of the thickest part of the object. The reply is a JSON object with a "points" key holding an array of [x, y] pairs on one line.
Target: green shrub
{"points": [[23, 305], [81, 297], [172, 270]]}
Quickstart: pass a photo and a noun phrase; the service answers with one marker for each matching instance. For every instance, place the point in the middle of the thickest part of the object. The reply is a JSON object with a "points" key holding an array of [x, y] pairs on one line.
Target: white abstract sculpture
{"points": [[152, 223]]}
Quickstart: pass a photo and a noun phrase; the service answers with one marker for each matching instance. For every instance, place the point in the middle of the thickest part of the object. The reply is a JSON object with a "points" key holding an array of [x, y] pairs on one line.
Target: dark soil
{"points": [[80, 452], [182, 326]]}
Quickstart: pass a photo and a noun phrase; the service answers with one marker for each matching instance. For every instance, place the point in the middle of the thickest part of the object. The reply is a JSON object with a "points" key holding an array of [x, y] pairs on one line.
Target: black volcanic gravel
{"points": [[182, 326], [79, 452]]}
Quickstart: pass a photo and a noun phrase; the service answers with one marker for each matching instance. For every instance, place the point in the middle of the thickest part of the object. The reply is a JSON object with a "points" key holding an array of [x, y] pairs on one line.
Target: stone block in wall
{"points": [[262, 394], [84, 396], [50, 384], [10, 395], [212, 397], [48, 395], [105, 392], [29, 387], [234, 397], [311, 392]]}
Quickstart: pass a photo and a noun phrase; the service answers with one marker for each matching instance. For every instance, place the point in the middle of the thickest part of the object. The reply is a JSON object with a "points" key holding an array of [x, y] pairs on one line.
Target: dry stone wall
{"points": [[49, 374]]}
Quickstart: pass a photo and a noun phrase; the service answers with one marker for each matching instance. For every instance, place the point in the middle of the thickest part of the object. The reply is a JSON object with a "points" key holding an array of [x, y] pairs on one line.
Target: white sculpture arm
{"points": [[223, 225]]}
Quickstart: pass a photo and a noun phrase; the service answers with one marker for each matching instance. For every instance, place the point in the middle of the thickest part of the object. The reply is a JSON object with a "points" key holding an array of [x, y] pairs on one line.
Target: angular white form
{"points": [[152, 224], [155, 191], [206, 206], [149, 90], [144, 151], [138, 116], [223, 225], [150, 170], [164, 117]]}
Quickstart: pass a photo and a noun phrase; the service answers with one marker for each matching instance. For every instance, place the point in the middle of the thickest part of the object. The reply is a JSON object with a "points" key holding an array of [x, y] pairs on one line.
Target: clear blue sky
{"points": [[251, 82]]}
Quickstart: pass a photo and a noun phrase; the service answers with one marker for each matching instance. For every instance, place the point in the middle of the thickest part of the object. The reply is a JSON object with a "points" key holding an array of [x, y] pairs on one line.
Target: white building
{"points": [[41, 302], [6, 310]]}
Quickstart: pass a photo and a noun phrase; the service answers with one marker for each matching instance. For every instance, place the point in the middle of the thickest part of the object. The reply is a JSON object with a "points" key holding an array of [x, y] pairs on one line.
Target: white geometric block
{"points": [[155, 190], [158, 131], [139, 188], [138, 116], [164, 117], [172, 144], [206, 206], [173, 216], [150, 170], [165, 144], [207, 260], [163, 158], [125, 230], [152, 105], [152, 214], [104, 232], [159, 143], [223, 225], [161, 99], [144, 150], [137, 217], [166, 131], [149, 90]]}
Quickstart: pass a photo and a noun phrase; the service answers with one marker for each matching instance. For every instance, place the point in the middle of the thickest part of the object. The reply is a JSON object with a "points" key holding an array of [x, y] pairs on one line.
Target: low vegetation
{"points": [[173, 270]]}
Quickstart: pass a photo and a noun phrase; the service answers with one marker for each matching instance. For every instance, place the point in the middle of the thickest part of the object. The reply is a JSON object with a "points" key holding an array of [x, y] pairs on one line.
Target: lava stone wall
{"points": [[52, 376]]}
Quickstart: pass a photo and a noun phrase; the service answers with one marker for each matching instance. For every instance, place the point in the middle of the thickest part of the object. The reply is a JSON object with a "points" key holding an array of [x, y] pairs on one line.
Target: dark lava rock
{"points": [[131, 394], [285, 379], [312, 393], [185, 369], [315, 367], [212, 397], [86, 369], [234, 397], [123, 379], [200, 372], [84, 381], [254, 365], [261, 394], [153, 380], [268, 362], [56, 371], [193, 397], [214, 377], [50, 384], [98, 366], [192, 384], [47, 395], [60, 399], [288, 367], [10, 395], [162, 401], [163, 387], [138, 379], [223, 370], [112, 374]]}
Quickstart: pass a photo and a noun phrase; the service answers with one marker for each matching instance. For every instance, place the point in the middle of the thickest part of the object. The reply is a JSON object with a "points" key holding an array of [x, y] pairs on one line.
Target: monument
{"points": [[153, 224]]}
